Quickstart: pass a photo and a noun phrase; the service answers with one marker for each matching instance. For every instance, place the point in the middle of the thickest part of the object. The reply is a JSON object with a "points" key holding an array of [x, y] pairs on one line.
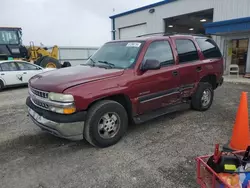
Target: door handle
{"points": [[25, 73], [175, 73], [198, 69], [2, 74]]}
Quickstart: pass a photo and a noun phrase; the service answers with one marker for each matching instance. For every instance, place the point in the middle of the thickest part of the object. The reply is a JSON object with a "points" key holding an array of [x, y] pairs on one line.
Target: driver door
{"points": [[27, 70], [158, 88]]}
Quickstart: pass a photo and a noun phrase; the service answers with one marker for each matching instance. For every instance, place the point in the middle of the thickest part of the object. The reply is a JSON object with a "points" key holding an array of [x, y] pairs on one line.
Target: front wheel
{"points": [[203, 97], [106, 123]]}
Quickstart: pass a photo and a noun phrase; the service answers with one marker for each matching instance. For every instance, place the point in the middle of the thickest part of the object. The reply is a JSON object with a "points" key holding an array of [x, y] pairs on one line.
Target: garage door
{"points": [[133, 31]]}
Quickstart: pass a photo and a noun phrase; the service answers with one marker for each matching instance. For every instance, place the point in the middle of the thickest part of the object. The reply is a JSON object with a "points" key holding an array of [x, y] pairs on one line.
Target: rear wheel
{"points": [[50, 62], [203, 97], [1, 85], [39, 60], [106, 123]]}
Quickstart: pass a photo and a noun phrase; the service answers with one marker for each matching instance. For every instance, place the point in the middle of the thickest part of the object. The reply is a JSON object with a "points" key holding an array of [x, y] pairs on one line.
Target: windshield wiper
{"points": [[88, 64], [111, 65], [93, 62]]}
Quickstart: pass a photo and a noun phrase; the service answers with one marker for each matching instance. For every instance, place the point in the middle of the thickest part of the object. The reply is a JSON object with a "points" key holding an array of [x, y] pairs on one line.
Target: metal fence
{"points": [[75, 55]]}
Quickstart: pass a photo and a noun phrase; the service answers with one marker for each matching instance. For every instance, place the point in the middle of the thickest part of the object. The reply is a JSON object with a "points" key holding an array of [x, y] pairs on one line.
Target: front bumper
{"points": [[64, 126]]}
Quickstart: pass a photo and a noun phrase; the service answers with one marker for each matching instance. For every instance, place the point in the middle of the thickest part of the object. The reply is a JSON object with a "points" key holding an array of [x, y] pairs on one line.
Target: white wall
{"points": [[230, 9], [223, 10]]}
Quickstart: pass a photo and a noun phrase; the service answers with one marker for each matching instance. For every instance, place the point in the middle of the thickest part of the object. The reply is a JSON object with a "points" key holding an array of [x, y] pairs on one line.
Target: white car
{"points": [[17, 72]]}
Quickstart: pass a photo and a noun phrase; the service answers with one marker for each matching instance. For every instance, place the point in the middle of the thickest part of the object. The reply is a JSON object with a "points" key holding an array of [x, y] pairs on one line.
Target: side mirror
{"points": [[151, 64]]}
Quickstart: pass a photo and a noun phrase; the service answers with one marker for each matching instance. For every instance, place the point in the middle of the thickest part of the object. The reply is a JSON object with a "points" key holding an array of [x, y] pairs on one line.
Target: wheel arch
{"points": [[212, 79], [122, 99], [3, 81]]}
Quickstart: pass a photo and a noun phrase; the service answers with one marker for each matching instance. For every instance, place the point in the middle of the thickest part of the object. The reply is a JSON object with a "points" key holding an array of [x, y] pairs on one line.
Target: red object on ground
{"points": [[207, 177], [217, 153]]}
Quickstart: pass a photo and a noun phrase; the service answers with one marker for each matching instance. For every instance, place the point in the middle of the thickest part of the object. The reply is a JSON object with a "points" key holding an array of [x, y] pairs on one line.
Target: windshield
{"points": [[9, 37], [116, 55]]}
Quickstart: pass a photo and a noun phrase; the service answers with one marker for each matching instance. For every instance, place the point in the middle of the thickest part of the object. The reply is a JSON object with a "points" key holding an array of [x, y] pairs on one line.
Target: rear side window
{"points": [[10, 66], [187, 51], [161, 51], [209, 48]]}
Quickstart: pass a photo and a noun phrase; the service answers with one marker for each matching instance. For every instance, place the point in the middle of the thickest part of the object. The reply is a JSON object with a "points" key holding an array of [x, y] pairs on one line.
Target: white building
{"points": [[228, 21]]}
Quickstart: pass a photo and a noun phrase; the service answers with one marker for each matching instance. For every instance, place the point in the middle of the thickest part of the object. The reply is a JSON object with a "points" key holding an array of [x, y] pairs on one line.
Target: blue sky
{"points": [[65, 22]]}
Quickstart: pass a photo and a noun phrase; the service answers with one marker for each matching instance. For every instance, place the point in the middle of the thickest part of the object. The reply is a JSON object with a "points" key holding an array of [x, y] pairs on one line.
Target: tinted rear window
{"points": [[209, 48], [186, 51]]}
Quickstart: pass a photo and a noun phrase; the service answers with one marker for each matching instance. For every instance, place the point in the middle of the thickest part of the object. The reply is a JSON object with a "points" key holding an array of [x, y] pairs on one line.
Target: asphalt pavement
{"points": [[159, 153]]}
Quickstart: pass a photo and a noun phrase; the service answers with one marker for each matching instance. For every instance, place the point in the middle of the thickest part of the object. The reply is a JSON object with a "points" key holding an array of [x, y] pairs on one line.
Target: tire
{"points": [[1, 85], [39, 60], [198, 103], [66, 64], [95, 117], [50, 62]]}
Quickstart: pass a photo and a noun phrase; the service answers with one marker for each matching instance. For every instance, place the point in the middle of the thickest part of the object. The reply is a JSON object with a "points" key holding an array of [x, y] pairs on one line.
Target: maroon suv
{"points": [[126, 81]]}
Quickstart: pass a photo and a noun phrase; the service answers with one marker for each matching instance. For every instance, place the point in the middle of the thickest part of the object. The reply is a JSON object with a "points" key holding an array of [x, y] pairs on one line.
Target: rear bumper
{"points": [[64, 126]]}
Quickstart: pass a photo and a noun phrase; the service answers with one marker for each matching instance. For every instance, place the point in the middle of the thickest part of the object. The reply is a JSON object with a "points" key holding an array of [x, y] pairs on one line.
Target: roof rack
{"points": [[174, 33], [193, 34], [151, 34]]}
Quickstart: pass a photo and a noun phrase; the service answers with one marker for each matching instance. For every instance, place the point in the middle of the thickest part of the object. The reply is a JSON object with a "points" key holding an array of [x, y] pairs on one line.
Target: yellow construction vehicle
{"points": [[43, 57], [11, 47]]}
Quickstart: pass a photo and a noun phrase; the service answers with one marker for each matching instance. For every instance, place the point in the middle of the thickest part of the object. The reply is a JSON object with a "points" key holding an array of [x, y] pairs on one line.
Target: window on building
{"points": [[161, 51], [187, 51], [209, 48]]}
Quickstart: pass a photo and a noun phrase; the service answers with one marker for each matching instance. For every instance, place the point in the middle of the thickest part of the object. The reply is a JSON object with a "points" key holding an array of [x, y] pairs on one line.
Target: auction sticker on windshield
{"points": [[133, 44]]}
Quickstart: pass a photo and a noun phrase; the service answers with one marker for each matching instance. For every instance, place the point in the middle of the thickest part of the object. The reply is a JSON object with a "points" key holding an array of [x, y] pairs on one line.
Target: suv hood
{"points": [[61, 79]]}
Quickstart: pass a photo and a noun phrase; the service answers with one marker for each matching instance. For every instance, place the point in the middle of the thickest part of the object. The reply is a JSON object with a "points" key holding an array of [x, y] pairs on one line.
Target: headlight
{"points": [[62, 103], [60, 97]]}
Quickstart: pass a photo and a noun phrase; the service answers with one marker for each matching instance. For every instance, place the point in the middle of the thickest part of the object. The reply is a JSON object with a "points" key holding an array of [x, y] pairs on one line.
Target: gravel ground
{"points": [[159, 153]]}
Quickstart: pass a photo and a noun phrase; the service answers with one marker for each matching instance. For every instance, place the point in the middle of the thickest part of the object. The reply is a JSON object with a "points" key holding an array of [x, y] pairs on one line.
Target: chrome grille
{"points": [[39, 98], [40, 104], [39, 93]]}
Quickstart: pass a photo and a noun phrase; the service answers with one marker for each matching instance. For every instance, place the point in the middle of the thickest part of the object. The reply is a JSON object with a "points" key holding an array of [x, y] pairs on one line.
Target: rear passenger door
{"points": [[189, 65], [9, 73], [212, 57]]}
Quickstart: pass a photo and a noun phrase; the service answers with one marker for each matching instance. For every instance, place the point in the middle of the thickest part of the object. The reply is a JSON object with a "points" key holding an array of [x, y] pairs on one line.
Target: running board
{"points": [[160, 112]]}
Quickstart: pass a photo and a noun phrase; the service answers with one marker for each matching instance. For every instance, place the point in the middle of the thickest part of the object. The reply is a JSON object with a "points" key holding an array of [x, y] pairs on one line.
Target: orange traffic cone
{"points": [[240, 137]]}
